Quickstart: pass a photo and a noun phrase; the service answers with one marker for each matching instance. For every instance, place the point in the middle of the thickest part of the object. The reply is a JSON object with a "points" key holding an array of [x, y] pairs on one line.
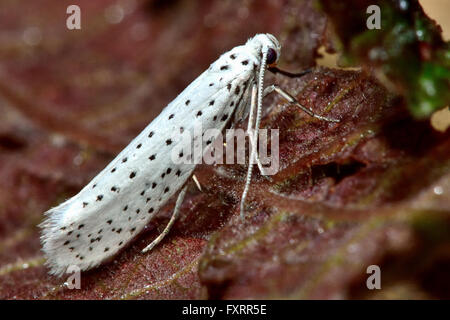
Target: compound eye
{"points": [[271, 56]]}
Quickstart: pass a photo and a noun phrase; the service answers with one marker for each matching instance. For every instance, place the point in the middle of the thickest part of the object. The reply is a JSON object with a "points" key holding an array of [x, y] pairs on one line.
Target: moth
{"points": [[92, 226]]}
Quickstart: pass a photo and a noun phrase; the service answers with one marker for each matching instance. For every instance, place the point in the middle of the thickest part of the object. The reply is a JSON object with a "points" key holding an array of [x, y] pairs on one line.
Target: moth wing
{"points": [[118, 203]]}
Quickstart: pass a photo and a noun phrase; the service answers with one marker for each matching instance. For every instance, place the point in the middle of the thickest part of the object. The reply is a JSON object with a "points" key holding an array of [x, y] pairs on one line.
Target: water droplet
{"points": [[58, 140], [438, 190], [114, 14], [403, 4], [78, 160]]}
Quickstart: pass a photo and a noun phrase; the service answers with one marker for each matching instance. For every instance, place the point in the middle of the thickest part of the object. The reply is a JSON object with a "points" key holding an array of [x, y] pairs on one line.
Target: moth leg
{"points": [[197, 183], [261, 168], [175, 214], [250, 131], [250, 124], [274, 88], [250, 128], [258, 162]]}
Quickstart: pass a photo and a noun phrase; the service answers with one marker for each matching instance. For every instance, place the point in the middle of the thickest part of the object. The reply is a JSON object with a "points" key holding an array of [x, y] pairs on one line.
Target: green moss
{"points": [[408, 49]]}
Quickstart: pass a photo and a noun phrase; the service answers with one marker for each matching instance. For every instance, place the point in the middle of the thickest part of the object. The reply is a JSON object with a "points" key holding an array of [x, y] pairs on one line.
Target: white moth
{"points": [[119, 202]]}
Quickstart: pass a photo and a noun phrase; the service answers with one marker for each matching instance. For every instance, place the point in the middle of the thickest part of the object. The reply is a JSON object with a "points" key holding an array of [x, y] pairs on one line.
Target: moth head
{"points": [[268, 45], [273, 50]]}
